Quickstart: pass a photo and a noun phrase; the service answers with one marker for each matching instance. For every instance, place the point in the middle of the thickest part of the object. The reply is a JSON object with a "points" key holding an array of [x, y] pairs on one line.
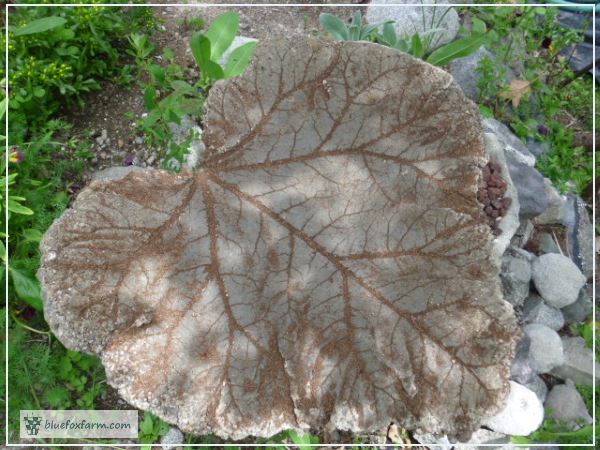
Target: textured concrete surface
{"points": [[329, 259]]}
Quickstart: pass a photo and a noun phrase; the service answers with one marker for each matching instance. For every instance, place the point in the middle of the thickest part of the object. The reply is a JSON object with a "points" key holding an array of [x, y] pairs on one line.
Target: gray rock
{"points": [[238, 41], [510, 222], [464, 71], [566, 405], [579, 362], [545, 350], [557, 279], [530, 187], [114, 173], [556, 209], [580, 234], [581, 309], [520, 370], [538, 386], [173, 439], [548, 244], [428, 439], [536, 311], [417, 19], [512, 144], [523, 234], [522, 415], [515, 276], [484, 439], [528, 181], [103, 138]]}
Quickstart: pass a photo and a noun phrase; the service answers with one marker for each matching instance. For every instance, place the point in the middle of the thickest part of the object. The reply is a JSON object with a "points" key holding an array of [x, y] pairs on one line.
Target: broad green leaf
{"points": [[389, 34], [334, 26], [238, 60], [416, 46], [147, 424], [457, 49], [478, 26], [2, 250], [201, 49], [40, 25], [221, 33], [2, 108], [27, 288], [17, 208], [212, 70]]}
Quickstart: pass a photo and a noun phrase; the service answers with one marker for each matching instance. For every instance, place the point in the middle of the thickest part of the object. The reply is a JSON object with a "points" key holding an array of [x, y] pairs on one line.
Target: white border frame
{"points": [[295, 5]]}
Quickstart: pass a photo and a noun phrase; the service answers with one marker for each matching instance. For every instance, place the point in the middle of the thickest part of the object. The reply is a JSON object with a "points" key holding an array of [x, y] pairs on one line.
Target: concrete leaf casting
{"points": [[328, 266]]}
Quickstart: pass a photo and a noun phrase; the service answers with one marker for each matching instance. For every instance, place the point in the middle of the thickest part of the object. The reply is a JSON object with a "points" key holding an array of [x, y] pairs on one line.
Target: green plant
{"points": [[356, 31], [57, 54], [305, 439], [208, 48], [142, 47], [529, 41], [168, 97], [44, 375], [151, 429], [557, 433], [418, 44]]}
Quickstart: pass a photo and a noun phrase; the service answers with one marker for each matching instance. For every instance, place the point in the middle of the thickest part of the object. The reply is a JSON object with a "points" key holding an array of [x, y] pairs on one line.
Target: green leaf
{"points": [[389, 34], [147, 424], [213, 71], [486, 111], [40, 25], [2, 251], [27, 288], [38, 92], [32, 235], [416, 46], [201, 49], [17, 208], [2, 108], [57, 396], [150, 98], [304, 439], [478, 26], [157, 72], [221, 33], [334, 26], [239, 59], [457, 49], [182, 86]]}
